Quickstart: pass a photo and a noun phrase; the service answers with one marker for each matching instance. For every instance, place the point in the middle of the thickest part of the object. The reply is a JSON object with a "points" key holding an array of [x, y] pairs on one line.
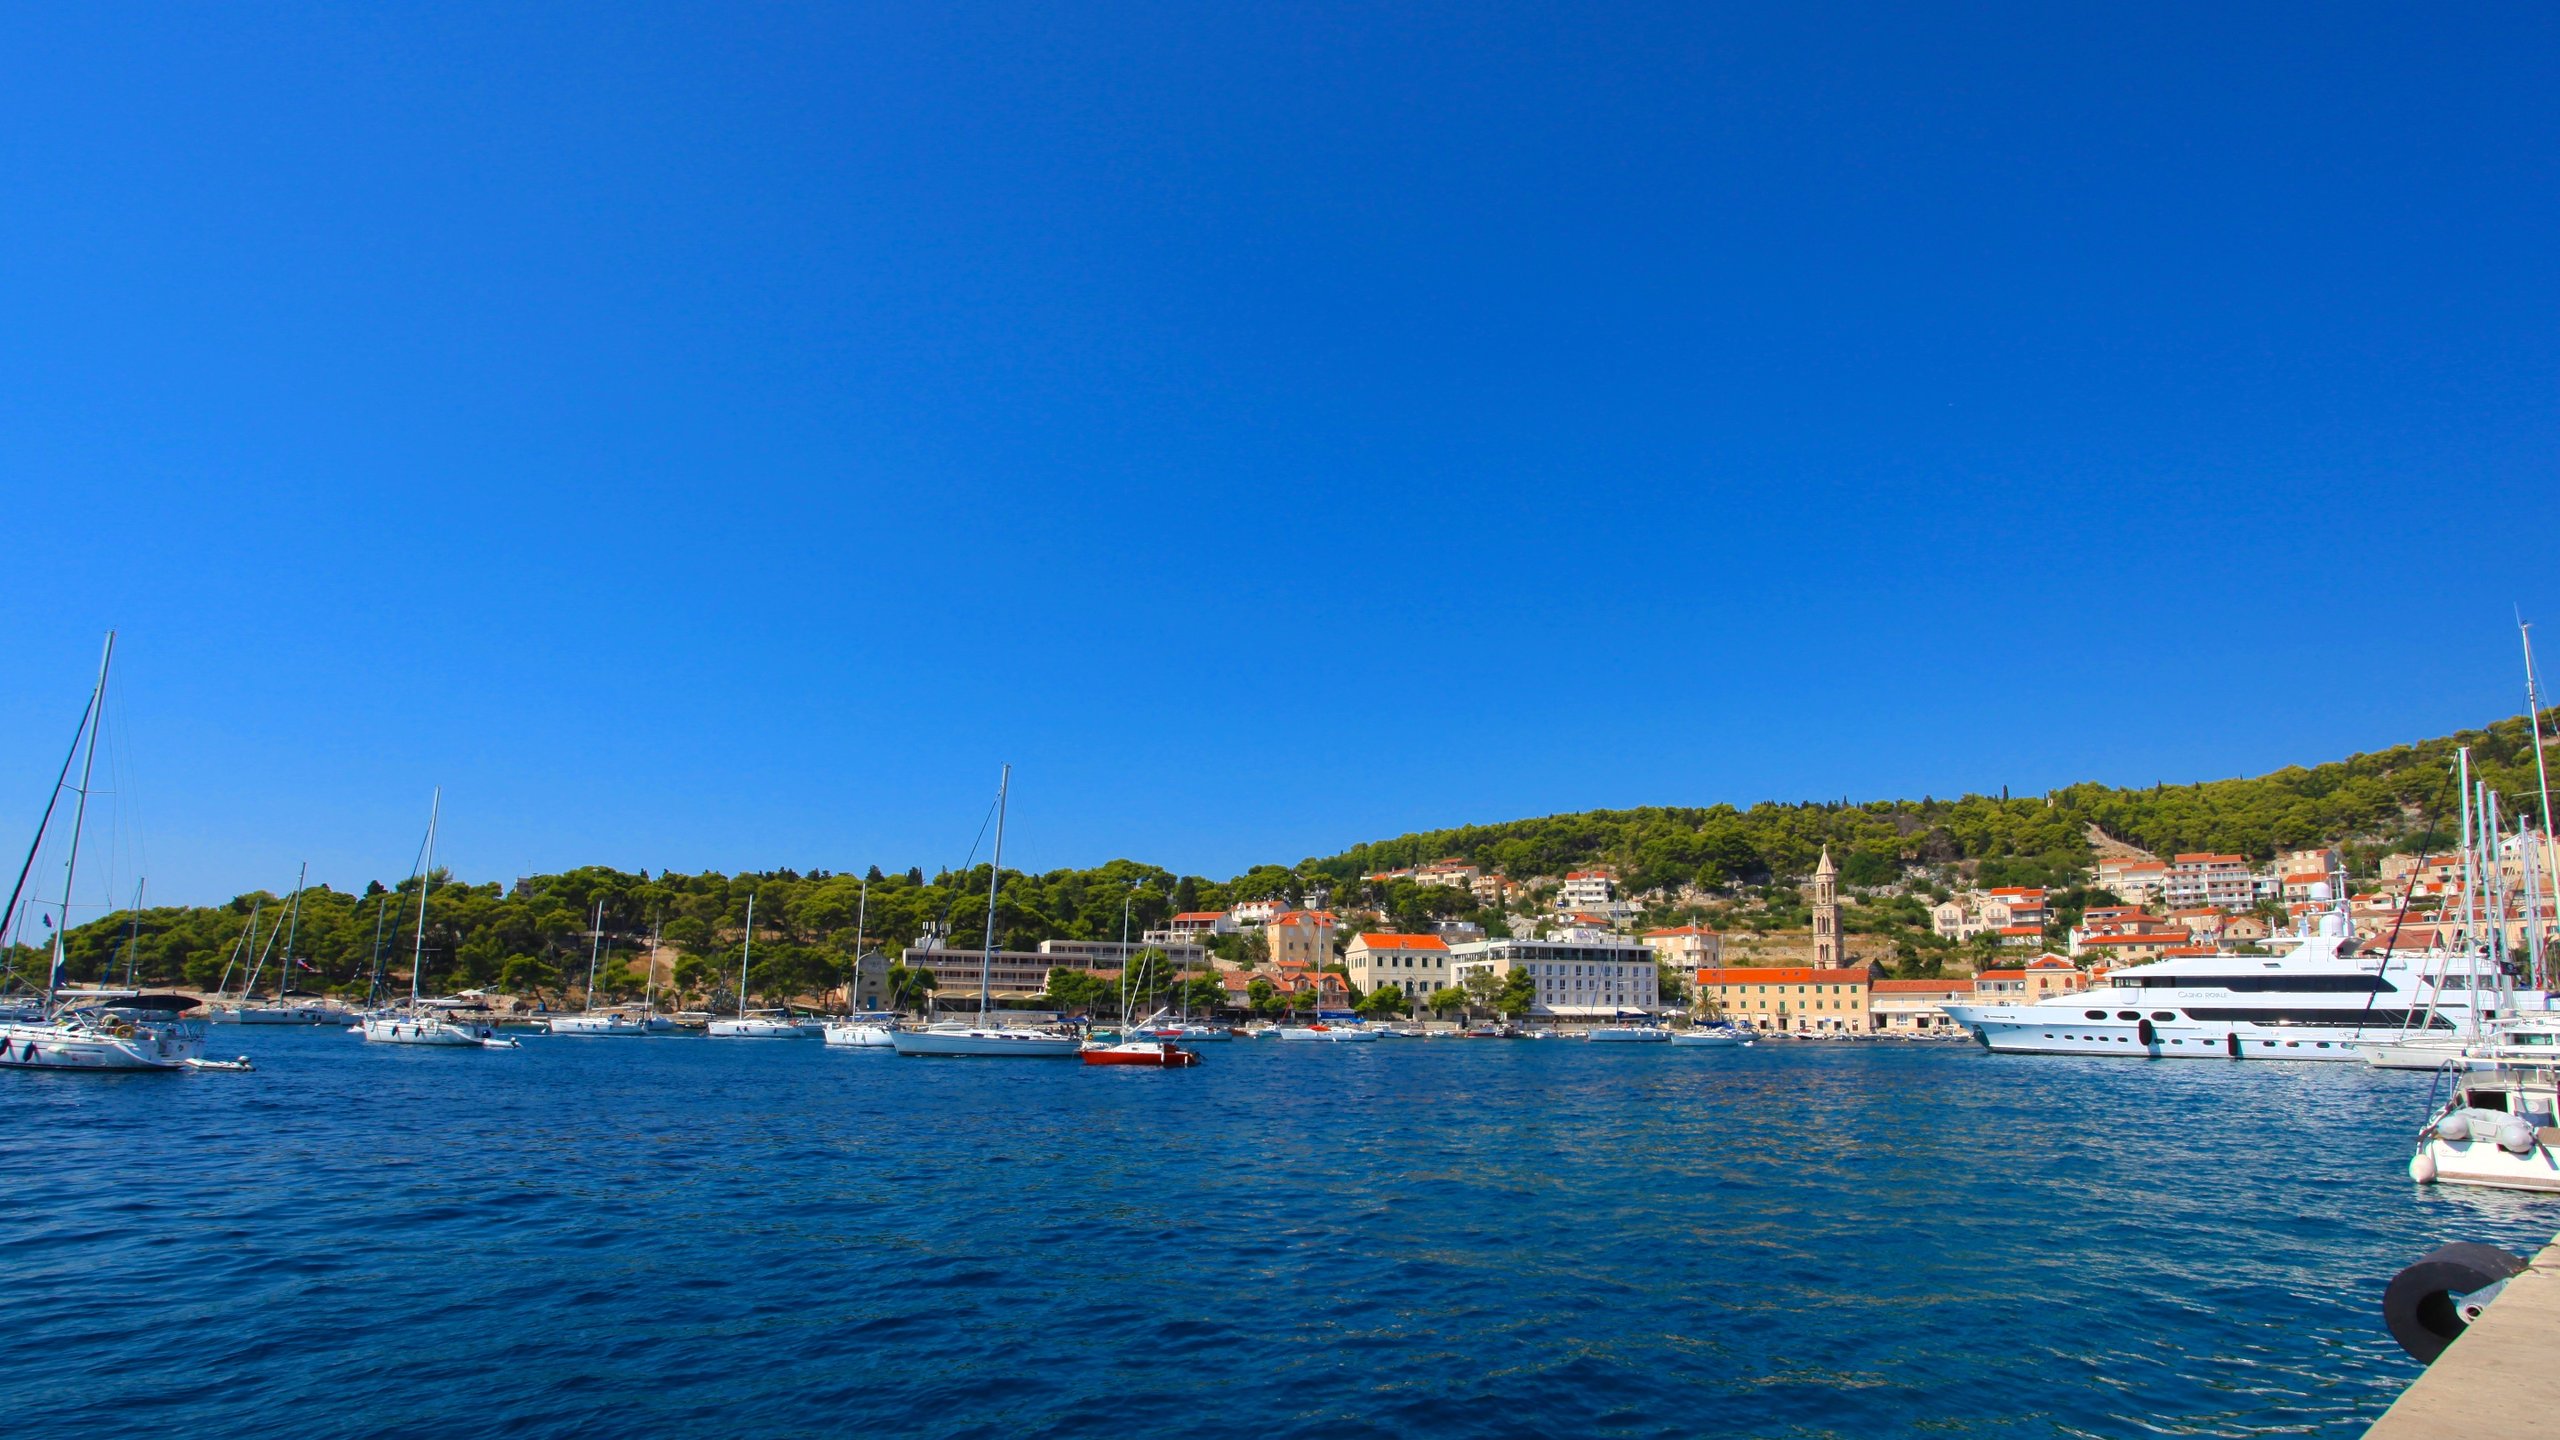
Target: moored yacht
{"points": [[985, 1039], [2317, 999], [91, 1030], [1627, 1035], [426, 1022]]}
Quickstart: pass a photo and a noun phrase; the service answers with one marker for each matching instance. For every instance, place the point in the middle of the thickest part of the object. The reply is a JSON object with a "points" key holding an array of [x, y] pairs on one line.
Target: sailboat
{"points": [[590, 1021], [284, 1009], [773, 1025], [985, 1039], [1135, 1049], [415, 1024], [94, 1030], [861, 1030]]}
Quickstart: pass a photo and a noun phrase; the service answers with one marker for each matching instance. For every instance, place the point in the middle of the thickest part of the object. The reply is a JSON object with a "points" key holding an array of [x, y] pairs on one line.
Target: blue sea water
{"points": [[690, 1237]]}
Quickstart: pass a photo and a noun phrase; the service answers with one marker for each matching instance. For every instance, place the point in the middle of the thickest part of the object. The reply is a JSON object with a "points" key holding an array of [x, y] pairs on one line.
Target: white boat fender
{"points": [[2454, 1129], [2422, 1168], [2516, 1137], [2423, 1305]]}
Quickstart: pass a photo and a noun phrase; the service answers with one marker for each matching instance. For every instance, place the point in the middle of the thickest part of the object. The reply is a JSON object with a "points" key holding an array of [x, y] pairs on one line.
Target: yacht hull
{"points": [[595, 1025], [1705, 1040], [1628, 1035], [1311, 1035], [985, 1044], [1158, 1054], [438, 1034], [861, 1037], [59, 1047], [2018, 1030], [757, 1030]]}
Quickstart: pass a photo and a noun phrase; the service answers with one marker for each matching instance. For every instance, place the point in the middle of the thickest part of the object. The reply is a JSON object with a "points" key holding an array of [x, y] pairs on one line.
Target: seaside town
{"points": [[1579, 959]]}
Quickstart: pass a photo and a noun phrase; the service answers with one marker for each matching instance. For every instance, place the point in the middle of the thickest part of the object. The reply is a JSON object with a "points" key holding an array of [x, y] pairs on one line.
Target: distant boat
{"points": [[1710, 1037], [768, 1025], [985, 1039], [1627, 1035], [1127, 1048], [415, 1024], [98, 1031], [1322, 1033], [591, 1021], [859, 1030]]}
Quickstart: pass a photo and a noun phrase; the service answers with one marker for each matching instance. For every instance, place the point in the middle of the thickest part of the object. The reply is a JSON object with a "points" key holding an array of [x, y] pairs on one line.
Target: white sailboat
{"points": [[416, 1024], [772, 1024], [589, 1021], [285, 1009], [985, 1039], [96, 1031], [861, 1030]]}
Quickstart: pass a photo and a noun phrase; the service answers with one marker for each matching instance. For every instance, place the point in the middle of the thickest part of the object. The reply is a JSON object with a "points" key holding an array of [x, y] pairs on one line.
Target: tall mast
{"points": [[746, 952], [79, 812], [373, 985], [292, 928], [861, 919], [649, 988], [133, 931], [995, 878], [2542, 776], [594, 944], [426, 882]]}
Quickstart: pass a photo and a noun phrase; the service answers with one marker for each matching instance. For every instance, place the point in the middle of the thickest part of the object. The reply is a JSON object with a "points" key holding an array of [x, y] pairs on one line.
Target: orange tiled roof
{"points": [[1384, 941]]}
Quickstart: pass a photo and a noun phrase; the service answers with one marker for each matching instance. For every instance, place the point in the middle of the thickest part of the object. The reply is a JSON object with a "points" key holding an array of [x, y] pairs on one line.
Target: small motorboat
{"points": [[2500, 1130], [1710, 1037], [1162, 1054], [1335, 1034], [1627, 1035]]}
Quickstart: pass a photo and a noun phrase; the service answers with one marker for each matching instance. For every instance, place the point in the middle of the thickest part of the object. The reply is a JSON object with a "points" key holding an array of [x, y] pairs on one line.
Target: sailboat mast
{"points": [[292, 929], [373, 984], [595, 943], [2542, 777], [995, 878], [649, 988], [861, 920], [79, 812], [426, 882], [745, 953], [133, 931]]}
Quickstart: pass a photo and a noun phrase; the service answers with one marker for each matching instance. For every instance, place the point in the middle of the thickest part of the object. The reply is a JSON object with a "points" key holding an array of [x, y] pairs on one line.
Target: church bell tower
{"points": [[1827, 951]]}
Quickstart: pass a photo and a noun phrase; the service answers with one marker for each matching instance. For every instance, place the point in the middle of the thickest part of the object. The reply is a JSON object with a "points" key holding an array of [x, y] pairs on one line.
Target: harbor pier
{"points": [[2496, 1381]]}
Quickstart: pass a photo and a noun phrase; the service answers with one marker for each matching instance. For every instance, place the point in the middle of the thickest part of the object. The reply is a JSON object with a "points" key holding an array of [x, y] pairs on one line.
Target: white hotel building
{"points": [[1576, 979]]}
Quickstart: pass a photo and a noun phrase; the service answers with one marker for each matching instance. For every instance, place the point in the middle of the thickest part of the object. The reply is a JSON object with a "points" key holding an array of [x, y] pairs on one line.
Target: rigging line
{"points": [[12, 915], [942, 922]]}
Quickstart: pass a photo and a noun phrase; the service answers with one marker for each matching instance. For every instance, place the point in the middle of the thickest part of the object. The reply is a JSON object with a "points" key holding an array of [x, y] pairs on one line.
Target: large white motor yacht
{"points": [[2315, 999]]}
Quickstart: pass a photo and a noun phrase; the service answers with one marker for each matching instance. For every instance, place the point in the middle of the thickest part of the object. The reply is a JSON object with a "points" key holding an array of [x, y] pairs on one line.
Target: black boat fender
{"points": [[2431, 1302]]}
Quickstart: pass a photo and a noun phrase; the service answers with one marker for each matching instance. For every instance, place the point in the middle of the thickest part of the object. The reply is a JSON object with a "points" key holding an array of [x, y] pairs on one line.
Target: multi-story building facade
{"points": [[1913, 1007], [1686, 947], [1300, 937], [2039, 979], [1112, 954], [1796, 999], [2137, 880], [1574, 979], [2203, 877], [1412, 965]]}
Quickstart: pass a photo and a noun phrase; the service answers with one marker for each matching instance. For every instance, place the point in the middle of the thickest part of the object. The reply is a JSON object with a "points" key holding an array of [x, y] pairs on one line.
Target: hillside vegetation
{"points": [[534, 935]]}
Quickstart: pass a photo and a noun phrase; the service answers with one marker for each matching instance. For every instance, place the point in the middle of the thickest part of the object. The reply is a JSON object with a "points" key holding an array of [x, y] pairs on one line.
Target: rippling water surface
{"points": [[684, 1236]]}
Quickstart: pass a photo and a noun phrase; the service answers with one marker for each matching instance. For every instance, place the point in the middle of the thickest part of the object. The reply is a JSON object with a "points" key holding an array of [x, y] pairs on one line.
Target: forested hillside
{"points": [[535, 933]]}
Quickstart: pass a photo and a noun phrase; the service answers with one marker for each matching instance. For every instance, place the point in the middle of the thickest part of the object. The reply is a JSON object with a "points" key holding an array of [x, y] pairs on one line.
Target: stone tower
{"points": [[1827, 952]]}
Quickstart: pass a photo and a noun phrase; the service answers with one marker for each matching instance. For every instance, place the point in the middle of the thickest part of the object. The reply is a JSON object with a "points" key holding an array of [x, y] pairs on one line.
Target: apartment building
{"points": [[1797, 999], [1574, 978], [1914, 1007], [1112, 954], [1300, 937], [1413, 965], [1686, 947], [2225, 882]]}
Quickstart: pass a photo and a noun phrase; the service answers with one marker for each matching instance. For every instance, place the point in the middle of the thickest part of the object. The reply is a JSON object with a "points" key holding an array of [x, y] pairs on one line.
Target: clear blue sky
{"points": [[717, 437]]}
